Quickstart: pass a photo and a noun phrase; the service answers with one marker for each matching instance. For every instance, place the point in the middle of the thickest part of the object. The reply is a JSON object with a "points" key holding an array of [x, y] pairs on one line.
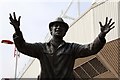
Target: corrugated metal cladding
{"points": [[100, 12], [87, 27], [82, 30], [111, 52]]}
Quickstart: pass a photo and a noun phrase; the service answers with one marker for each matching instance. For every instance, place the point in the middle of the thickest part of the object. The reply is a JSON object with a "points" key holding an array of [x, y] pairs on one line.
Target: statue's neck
{"points": [[56, 41]]}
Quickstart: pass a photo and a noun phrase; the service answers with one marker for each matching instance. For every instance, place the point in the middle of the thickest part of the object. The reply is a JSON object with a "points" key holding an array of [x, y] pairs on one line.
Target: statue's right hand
{"points": [[14, 21]]}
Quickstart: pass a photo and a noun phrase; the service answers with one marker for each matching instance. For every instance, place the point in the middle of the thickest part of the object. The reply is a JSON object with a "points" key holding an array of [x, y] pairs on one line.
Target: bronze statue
{"points": [[57, 57]]}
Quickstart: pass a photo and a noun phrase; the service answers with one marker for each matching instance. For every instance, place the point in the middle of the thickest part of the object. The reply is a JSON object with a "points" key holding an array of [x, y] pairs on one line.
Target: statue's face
{"points": [[58, 30]]}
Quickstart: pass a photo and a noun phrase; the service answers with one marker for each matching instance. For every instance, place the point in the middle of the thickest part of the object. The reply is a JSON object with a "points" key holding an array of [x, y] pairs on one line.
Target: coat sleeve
{"points": [[29, 49], [88, 49]]}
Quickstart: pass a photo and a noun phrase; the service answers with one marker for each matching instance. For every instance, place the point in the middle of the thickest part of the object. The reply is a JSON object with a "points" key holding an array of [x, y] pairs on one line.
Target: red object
{"points": [[7, 41]]}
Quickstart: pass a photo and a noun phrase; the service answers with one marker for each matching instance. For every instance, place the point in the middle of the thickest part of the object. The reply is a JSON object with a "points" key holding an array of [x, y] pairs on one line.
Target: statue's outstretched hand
{"points": [[14, 21], [107, 27]]}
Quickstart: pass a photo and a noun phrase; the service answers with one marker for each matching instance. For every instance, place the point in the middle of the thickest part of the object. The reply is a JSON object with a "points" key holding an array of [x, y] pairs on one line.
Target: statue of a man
{"points": [[57, 57]]}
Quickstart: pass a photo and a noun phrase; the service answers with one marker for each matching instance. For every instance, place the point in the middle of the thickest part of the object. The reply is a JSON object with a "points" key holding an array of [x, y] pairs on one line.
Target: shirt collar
{"points": [[62, 43]]}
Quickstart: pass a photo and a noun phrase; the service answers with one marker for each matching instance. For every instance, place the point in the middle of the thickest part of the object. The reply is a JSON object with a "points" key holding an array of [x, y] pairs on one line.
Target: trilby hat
{"points": [[60, 21]]}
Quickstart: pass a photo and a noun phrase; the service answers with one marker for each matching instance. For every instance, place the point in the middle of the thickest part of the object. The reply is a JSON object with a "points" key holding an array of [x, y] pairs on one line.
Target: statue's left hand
{"points": [[107, 27]]}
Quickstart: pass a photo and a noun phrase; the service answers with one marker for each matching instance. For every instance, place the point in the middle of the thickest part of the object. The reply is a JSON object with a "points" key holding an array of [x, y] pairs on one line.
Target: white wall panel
{"points": [[107, 9], [82, 30], [32, 70]]}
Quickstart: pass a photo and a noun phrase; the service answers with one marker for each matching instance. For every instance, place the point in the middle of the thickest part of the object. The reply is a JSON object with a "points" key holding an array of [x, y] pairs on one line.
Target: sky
{"points": [[35, 18]]}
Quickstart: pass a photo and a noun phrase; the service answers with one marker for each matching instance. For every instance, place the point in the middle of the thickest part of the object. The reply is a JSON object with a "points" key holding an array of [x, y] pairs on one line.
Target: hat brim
{"points": [[52, 23]]}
